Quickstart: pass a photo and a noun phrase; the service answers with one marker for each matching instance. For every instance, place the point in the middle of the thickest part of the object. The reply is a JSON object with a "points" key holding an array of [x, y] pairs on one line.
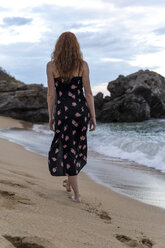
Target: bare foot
{"points": [[67, 185], [76, 198]]}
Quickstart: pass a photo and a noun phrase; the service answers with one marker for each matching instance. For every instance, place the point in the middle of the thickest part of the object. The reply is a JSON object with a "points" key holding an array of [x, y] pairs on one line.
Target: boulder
{"points": [[136, 97], [98, 101]]}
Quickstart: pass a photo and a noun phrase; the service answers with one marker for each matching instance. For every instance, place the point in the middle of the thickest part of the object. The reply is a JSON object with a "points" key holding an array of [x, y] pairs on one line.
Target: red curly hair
{"points": [[67, 55]]}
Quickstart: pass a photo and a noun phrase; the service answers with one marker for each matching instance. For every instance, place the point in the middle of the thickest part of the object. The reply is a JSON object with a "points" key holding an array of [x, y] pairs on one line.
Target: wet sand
{"points": [[126, 177], [37, 211]]}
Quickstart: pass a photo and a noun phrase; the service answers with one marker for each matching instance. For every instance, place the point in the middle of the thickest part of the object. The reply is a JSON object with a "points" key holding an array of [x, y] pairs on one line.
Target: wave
{"points": [[143, 143]]}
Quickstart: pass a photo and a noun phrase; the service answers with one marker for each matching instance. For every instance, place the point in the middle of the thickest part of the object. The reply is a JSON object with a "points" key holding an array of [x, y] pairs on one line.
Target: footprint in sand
{"points": [[29, 242], [10, 199], [142, 243], [23, 174], [7, 182], [30, 182], [99, 212]]}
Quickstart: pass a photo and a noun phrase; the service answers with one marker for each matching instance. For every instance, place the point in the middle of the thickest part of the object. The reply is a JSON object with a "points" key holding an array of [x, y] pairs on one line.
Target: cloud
{"points": [[21, 29], [111, 60], [3, 9], [101, 88], [115, 36], [15, 21], [150, 60], [128, 3], [160, 31]]}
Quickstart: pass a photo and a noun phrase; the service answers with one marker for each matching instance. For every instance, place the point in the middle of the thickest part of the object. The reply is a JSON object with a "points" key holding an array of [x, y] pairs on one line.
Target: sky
{"points": [[117, 37]]}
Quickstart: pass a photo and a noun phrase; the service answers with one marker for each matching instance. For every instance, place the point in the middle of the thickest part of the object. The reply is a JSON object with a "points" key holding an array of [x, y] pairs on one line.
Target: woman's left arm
{"points": [[50, 94]]}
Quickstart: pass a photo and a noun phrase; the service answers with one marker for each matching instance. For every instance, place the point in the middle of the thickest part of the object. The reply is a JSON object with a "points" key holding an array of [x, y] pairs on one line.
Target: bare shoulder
{"points": [[49, 65], [85, 64], [85, 67], [51, 68]]}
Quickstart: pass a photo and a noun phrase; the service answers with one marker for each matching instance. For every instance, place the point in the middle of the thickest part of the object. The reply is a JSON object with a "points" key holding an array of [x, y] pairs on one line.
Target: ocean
{"points": [[141, 142]]}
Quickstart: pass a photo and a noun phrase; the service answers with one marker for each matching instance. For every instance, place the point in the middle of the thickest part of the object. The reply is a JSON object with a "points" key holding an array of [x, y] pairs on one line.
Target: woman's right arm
{"points": [[88, 94]]}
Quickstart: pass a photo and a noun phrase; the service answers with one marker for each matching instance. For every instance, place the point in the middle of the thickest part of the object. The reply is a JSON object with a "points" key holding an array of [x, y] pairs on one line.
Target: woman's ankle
{"points": [[77, 195]]}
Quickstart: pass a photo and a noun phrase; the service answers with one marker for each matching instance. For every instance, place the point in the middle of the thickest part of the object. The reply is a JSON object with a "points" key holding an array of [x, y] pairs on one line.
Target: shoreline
{"points": [[137, 181], [41, 206]]}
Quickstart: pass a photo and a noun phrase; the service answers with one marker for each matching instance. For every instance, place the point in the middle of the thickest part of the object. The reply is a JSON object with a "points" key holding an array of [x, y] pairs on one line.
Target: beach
{"points": [[37, 211]]}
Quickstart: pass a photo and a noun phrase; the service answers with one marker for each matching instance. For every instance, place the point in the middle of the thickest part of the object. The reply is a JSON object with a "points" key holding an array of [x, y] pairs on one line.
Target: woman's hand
{"points": [[51, 124], [92, 123]]}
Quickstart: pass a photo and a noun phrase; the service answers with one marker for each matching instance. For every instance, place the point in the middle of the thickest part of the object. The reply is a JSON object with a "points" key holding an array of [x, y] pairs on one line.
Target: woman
{"points": [[68, 74]]}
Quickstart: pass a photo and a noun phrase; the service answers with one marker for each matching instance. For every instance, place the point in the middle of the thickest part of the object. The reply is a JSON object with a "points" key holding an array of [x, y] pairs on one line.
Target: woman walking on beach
{"points": [[68, 74]]}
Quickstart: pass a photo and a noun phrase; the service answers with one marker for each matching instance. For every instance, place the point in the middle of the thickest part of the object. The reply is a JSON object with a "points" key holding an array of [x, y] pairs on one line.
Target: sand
{"points": [[37, 212]]}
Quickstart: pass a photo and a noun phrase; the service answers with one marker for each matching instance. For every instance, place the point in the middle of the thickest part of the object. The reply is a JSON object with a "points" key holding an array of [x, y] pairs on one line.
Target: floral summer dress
{"points": [[68, 150]]}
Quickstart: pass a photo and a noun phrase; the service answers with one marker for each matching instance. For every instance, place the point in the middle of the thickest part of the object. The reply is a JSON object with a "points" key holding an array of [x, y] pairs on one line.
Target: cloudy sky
{"points": [[116, 36]]}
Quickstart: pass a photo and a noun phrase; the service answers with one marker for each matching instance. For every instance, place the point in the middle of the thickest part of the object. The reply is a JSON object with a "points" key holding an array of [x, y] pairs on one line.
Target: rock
{"points": [[136, 97], [106, 98], [130, 109], [98, 101], [21, 101]]}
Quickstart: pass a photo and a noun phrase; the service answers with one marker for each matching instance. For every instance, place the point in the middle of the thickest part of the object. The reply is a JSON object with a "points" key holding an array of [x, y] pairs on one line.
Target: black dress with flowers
{"points": [[68, 150]]}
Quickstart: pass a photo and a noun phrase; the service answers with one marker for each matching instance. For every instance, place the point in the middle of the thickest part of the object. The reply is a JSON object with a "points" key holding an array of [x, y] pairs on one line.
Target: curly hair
{"points": [[67, 55]]}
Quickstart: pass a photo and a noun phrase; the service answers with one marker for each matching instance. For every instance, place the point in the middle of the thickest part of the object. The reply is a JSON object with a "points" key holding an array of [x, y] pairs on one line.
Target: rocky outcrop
{"points": [[136, 97], [22, 101]]}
